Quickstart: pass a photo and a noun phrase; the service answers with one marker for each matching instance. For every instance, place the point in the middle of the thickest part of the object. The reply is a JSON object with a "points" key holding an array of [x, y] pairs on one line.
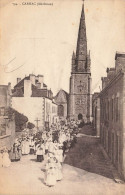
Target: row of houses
{"points": [[109, 113], [30, 97]]}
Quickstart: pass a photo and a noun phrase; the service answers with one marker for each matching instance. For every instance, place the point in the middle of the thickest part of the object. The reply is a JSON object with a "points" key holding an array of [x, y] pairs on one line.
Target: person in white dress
{"points": [[27, 148], [60, 155], [51, 147], [6, 160], [59, 174], [51, 174], [23, 146]]}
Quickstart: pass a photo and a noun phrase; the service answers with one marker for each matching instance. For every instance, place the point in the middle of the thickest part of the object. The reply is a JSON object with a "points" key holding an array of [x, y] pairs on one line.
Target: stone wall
{"points": [[96, 113], [112, 125], [79, 100]]}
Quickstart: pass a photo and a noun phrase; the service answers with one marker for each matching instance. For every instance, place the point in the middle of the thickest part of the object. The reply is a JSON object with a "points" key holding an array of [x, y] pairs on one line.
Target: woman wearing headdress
{"points": [[50, 155], [16, 151], [23, 145], [27, 148], [6, 160], [20, 149], [50, 175], [32, 146], [12, 154]]}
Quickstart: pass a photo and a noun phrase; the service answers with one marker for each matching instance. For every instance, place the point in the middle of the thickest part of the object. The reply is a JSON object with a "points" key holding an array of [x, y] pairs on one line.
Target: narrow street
{"points": [[87, 154], [85, 172]]}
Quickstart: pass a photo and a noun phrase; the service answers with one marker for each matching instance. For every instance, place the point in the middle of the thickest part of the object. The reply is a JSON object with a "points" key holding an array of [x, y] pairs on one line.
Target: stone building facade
{"points": [[32, 98], [112, 116], [7, 121], [62, 101], [96, 113], [80, 80]]}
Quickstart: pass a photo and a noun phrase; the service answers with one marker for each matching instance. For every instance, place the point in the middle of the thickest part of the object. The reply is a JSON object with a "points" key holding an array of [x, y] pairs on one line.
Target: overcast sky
{"points": [[41, 39]]}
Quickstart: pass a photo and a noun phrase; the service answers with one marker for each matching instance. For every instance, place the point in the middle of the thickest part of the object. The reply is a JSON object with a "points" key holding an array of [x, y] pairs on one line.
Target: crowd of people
{"points": [[48, 146]]}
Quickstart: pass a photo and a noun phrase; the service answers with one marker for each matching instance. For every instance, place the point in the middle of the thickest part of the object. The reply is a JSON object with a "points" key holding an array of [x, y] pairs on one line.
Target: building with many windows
{"points": [[112, 115]]}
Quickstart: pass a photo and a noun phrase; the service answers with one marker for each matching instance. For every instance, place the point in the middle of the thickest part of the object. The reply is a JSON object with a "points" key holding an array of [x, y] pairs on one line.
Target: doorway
{"points": [[80, 117]]}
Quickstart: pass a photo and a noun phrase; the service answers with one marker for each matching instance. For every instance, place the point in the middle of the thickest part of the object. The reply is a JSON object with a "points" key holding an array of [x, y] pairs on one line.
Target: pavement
{"points": [[26, 177]]}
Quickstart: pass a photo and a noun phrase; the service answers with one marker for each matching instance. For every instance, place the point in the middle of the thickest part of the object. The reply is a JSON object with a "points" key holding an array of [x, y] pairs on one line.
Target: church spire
{"points": [[73, 62], [82, 13], [81, 51]]}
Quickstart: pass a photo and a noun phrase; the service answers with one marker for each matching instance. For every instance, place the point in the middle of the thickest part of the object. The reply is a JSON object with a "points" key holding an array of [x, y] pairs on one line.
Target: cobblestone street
{"points": [[85, 171]]}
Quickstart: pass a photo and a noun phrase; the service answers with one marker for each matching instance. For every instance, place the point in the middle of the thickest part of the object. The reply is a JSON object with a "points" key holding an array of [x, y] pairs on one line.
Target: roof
{"points": [[62, 96], [38, 92], [18, 90], [119, 54]]}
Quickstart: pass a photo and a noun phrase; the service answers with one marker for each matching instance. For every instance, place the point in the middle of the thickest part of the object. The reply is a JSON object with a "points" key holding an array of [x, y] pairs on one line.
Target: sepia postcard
{"points": [[62, 97]]}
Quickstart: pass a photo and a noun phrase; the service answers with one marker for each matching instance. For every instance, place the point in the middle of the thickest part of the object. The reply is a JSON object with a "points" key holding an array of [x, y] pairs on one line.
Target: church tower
{"points": [[80, 80]]}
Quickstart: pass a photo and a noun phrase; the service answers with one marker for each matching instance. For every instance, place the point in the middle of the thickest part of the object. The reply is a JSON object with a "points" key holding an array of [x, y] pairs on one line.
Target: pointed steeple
{"points": [[82, 13], [81, 51], [73, 56], [73, 62]]}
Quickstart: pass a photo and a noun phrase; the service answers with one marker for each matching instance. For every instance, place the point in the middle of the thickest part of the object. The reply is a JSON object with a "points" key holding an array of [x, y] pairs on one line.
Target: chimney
{"points": [[110, 73], [32, 78], [41, 79], [104, 82], [27, 88], [120, 61], [18, 80], [38, 85]]}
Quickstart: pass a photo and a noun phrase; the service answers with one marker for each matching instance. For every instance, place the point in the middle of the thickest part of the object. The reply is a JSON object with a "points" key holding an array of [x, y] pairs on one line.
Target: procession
{"points": [[49, 147], [62, 97]]}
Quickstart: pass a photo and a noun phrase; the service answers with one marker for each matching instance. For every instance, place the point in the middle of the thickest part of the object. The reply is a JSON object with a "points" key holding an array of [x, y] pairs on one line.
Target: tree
{"points": [[20, 119], [30, 125]]}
